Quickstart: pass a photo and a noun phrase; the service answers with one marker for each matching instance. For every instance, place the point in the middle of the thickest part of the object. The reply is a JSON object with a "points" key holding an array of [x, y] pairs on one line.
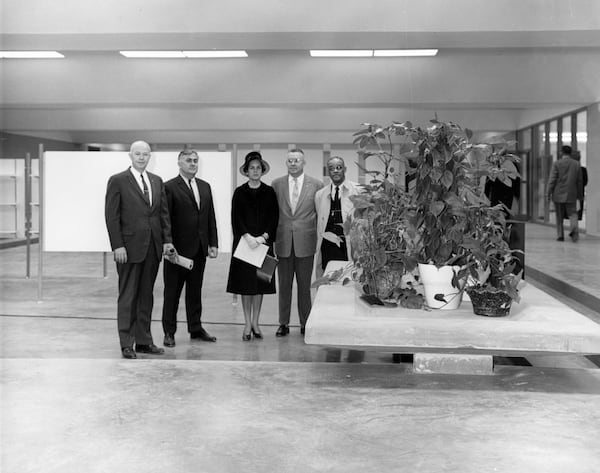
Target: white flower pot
{"points": [[437, 283]]}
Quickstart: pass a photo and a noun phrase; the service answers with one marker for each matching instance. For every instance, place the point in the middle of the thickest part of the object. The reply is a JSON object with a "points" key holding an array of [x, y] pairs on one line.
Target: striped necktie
{"points": [[295, 194], [146, 192]]}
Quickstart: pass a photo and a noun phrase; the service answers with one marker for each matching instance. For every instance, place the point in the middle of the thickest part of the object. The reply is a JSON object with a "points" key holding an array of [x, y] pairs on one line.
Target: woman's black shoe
{"points": [[247, 336], [257, 334]]}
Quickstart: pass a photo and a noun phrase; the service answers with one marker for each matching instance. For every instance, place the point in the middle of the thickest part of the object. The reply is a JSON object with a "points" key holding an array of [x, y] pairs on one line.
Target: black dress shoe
{"points": [[150, 349], [203, 335], [574, 236], [169, 340], [257, 334], [128, 353], [282, 331], [560, 239]]}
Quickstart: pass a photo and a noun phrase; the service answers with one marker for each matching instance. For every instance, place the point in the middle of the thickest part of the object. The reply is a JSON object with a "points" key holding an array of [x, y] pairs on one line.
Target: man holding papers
{"points": [[194, 231], [254, 217]]}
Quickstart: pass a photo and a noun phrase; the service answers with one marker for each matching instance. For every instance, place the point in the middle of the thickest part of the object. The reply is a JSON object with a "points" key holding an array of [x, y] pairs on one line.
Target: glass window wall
{"points": [[539, 146]]}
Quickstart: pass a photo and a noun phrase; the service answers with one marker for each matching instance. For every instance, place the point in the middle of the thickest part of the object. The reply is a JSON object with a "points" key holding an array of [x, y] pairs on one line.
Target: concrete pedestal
{"points": [[539, 324], [448, 363]]}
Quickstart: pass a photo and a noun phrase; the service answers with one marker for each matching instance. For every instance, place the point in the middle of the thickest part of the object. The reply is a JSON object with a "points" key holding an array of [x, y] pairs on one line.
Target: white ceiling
{"points": [[502, 64]]}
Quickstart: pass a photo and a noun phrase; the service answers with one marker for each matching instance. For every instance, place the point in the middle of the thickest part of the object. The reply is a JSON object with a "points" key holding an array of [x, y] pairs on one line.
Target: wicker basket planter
{"points": [[489, 303]]}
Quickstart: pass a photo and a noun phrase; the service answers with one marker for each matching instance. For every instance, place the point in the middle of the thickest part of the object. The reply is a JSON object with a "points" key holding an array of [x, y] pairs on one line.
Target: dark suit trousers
{"points": [[302, 269], [134, 306], [175, 278], [566, 210]]}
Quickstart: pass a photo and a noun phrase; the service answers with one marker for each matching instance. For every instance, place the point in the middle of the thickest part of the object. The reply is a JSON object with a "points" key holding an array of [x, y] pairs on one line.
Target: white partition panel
{"points": [[75, 189]]}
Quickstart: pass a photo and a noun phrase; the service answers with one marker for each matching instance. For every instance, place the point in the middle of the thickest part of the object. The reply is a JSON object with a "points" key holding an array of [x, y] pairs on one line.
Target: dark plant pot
{"points": [[489, 303]]}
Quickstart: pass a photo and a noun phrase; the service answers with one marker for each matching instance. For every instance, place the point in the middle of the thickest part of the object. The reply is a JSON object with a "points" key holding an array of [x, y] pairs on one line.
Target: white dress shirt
{"points": [[138, 178], [300, 179], [194, 185]]}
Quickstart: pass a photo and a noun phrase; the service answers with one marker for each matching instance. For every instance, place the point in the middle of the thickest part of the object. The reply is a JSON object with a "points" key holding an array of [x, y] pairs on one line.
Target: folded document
{"points": [[253, 256], [182, 261]]}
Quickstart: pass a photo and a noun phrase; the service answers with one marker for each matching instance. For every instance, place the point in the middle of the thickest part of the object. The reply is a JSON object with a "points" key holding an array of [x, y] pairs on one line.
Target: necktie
{"points": [[295, 194], [145, 187], [337, 193], [196, 197]]}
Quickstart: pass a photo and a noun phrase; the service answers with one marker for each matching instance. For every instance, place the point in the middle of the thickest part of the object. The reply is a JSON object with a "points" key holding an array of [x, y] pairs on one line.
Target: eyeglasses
{"points": [[336, 168], [294, 160]]}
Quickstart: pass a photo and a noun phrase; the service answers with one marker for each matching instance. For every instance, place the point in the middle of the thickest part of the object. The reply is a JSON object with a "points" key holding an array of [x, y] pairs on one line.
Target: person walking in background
{"points": [[584, 181], [334, 207], [296, 239], [565, 187], [139, 229], [194, 230], [254, 217]]}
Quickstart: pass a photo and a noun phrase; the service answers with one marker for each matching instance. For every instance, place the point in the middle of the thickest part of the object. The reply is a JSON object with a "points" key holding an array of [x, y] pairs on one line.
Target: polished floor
{"points": [[70, 403]]}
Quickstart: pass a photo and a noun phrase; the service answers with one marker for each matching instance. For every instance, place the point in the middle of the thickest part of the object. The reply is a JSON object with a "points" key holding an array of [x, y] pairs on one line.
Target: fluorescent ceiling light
{"points": [[214, 54], [405, 52], [152, 54], [30, 55], [341, 52], [183, 54]]}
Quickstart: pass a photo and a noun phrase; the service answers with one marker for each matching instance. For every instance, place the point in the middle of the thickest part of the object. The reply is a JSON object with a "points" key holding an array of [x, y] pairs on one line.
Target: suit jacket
{"points": [[130, 221], [566, 181], [300, 227], [194, 229], [323, 206]]}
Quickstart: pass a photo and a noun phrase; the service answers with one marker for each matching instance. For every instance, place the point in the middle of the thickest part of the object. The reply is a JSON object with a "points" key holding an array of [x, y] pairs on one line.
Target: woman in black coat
{"points": [[254, 217]]}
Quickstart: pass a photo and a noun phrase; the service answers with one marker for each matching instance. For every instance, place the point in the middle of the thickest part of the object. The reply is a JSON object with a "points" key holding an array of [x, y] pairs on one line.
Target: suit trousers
{"points": [[175, 278], [563, 210], [302, 269], [136, 299]]}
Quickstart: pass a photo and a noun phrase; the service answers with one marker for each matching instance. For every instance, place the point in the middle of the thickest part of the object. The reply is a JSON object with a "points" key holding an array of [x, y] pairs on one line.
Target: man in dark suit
{"points": [[296, 239], [194, 230], [137, 219], [565, 187]]}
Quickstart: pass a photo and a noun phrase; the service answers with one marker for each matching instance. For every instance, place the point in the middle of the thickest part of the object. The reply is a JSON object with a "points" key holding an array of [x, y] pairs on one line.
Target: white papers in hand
{"points": [[183, 261], [255, 256]]}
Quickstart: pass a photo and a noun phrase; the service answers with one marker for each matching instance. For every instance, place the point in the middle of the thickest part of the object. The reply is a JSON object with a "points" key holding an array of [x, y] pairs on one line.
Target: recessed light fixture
{"points": [[341, 52], [31, 55], [214, 54], [153, 54], [183, 54], [404, 52]]}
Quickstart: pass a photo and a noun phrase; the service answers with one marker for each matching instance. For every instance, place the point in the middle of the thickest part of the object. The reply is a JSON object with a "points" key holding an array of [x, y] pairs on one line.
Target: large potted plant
{"points": [[381, 248], [494, 273], [420, 206], [493, 280]]}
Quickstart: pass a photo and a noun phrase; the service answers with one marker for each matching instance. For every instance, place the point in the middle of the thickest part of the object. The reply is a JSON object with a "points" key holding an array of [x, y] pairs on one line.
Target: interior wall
{"points": [[593, 168]]}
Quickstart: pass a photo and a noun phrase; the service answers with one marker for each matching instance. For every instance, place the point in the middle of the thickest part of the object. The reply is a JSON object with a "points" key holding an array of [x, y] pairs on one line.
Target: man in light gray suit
{"points": [[565, 187], [296, 238]]}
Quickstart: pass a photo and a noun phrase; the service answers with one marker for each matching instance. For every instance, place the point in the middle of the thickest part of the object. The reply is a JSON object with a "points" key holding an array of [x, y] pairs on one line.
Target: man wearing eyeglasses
{"points": [[296, 238], [139, 229], [334, 207]]}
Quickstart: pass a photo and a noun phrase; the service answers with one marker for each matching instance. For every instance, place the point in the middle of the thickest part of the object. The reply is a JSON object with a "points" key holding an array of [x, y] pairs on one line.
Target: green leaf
{"points": [[436, 208], [435, 174], [447, 179]]}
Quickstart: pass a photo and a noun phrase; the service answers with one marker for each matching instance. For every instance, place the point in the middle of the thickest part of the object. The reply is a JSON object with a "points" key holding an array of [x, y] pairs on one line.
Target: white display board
{"points": [[74, 191]]}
